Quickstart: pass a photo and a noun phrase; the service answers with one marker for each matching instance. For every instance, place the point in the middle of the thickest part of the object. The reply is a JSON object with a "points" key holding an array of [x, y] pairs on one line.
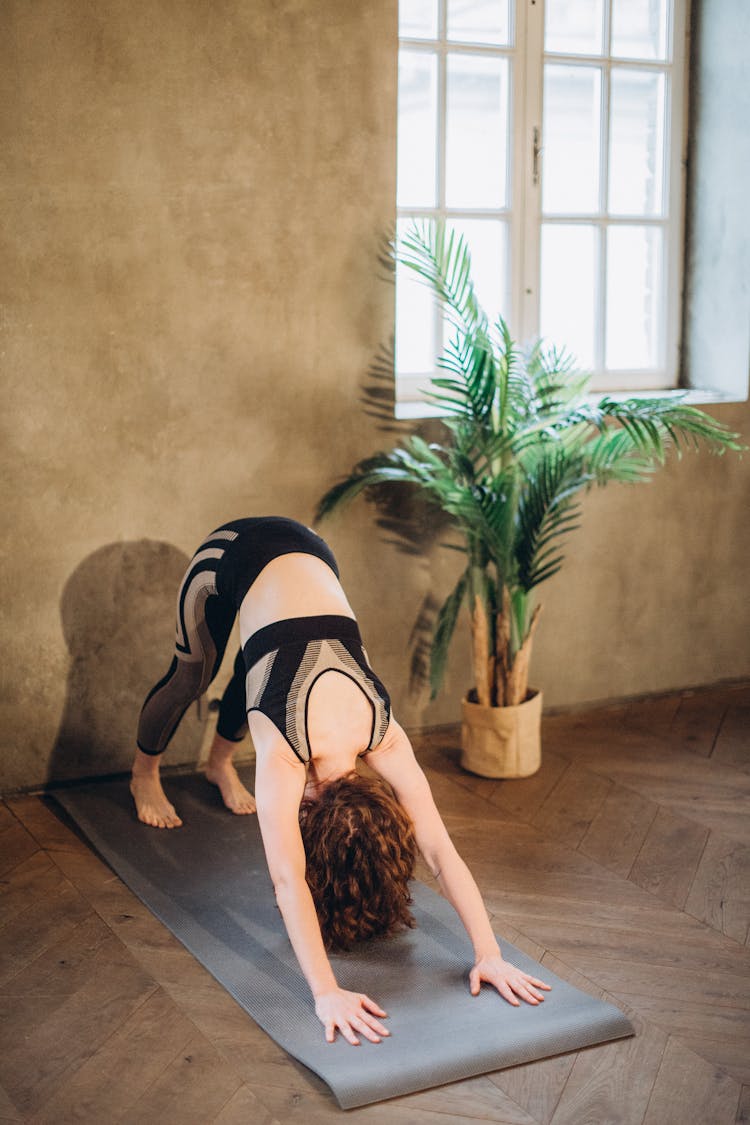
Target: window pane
{"points": [[415, 325], [634, 297], [476, 131], [639, 29], [417, 19], [417, 117], [568, 288], [636, 152], [573, 26], [478, 21], [488, 245], [570, 158]]}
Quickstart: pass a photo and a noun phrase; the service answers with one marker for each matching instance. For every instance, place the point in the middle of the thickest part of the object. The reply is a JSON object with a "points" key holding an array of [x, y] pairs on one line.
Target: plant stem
{"points": [[502, 647], [482, 630], [519, 618]]}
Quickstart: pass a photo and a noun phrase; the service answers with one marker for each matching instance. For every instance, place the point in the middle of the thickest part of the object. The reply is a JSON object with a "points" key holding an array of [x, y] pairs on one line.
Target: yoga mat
{"points": [[208, 883]]}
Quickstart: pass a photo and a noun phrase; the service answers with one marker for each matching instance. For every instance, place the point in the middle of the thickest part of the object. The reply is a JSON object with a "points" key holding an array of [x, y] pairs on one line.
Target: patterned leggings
{"points": [[204, 623]]}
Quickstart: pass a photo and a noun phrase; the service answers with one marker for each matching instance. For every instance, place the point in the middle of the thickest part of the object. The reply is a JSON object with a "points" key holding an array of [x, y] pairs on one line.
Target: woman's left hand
{"points": [[509, 981]]}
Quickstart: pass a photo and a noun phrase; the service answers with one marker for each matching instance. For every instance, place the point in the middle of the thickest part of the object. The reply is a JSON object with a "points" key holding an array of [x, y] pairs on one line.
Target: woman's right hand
{"points": [[351, 1013]]}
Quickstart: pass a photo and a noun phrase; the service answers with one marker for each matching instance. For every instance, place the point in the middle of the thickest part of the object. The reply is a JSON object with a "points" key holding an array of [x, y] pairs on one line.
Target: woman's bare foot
{"points": [[235, 796], [151, 802], [221, 772]]}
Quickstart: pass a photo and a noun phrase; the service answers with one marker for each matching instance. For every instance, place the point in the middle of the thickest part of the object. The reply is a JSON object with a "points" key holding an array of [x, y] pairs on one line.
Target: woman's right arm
{"points": [[279, 787], [394, 760]]}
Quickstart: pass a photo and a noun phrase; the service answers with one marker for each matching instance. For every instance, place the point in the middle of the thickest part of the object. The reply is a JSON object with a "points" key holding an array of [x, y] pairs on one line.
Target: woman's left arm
{"points": [[394, 760]]}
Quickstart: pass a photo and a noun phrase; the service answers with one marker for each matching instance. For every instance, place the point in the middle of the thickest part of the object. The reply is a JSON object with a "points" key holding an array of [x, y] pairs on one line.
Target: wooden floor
{"points": [[623, 865]]}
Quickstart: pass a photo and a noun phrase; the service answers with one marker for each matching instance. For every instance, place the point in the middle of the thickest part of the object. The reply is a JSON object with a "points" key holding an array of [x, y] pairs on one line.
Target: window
{"points": [[551, 135]]}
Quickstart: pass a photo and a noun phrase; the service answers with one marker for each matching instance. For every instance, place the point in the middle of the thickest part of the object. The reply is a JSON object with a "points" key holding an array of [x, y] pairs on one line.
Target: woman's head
{"points": [[361, 852]]}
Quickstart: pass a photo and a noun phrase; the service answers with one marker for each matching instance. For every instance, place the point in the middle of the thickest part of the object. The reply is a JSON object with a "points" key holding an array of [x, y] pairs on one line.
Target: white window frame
{"points": [[523, 213]]}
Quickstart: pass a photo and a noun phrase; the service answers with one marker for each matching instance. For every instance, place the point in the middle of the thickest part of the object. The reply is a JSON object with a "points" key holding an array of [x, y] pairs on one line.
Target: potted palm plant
{"points": [[522, 441]]}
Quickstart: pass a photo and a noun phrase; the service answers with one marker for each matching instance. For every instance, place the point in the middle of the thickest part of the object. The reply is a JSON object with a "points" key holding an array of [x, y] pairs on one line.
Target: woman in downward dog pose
{"points": [[340, 847]]}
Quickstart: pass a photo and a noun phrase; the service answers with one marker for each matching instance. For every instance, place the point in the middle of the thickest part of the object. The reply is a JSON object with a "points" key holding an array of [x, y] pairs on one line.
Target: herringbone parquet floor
{"points": [[623, 864]]}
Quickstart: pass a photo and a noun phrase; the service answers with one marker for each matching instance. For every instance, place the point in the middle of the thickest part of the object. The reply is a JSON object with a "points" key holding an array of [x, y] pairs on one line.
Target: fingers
{"points": [[357, 1022], [507, 993], [528, 988], [372, 1006], [528, 995], [510, 981], [350, 1030], [376, 1025], [366, 1023], [368, 1030], [345, 1030]]}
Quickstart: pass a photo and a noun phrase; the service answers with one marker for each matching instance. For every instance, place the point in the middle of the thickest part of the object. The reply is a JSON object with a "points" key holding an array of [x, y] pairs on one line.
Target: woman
{"points": [[326, 831]]}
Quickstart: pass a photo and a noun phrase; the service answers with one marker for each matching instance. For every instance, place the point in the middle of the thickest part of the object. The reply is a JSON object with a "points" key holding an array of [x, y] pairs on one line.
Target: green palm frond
{"points": [[492, 522], [615, 456], [656, 424], [546, 512], [671, 419], [505, 352], [371, 471], [557, 381], [469, 387], [410, 464], [495, 449], [523, 440], [441, 258], [444, 630]]}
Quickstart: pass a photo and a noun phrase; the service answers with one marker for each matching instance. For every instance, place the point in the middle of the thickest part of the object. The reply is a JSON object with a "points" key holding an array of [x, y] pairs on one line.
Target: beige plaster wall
{"points": [[193, 194]]}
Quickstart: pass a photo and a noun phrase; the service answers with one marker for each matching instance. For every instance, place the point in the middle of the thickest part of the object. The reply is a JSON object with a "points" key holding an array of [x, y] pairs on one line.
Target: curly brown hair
{"points": [[361, 852]]}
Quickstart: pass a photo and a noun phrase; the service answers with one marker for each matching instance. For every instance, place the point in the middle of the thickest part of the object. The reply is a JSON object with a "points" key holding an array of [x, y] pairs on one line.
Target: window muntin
{"points": [[456, 99]]}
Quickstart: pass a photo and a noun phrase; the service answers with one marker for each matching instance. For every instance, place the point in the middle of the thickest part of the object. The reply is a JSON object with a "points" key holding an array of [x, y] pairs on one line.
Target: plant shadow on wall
{"points": [[118, 612], [520, 440]]}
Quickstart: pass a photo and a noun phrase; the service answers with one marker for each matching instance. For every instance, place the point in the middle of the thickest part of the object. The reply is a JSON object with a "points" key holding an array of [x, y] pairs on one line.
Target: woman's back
{"points": [[339, 717], [293, 585]]}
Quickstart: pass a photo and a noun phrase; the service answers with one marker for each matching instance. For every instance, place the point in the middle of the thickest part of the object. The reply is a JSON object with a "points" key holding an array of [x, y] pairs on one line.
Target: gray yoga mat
{"points": [[208, 882]]}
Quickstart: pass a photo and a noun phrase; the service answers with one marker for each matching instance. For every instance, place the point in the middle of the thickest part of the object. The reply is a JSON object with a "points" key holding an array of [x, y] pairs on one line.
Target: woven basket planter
{"points": [[502, 741]]}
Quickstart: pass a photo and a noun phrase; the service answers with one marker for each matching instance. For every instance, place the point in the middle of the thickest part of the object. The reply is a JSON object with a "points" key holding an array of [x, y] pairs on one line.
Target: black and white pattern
{"points": [[279, 681], [204, 622], [220, 573]]}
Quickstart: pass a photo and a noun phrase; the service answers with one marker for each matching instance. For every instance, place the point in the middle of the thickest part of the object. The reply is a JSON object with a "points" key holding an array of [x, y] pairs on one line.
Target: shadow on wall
{"points": [[118, 612]]}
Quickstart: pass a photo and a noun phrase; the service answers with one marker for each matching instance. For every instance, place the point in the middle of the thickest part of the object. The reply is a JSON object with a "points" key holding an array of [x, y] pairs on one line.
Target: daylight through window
{"points": [[552, 137]]}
